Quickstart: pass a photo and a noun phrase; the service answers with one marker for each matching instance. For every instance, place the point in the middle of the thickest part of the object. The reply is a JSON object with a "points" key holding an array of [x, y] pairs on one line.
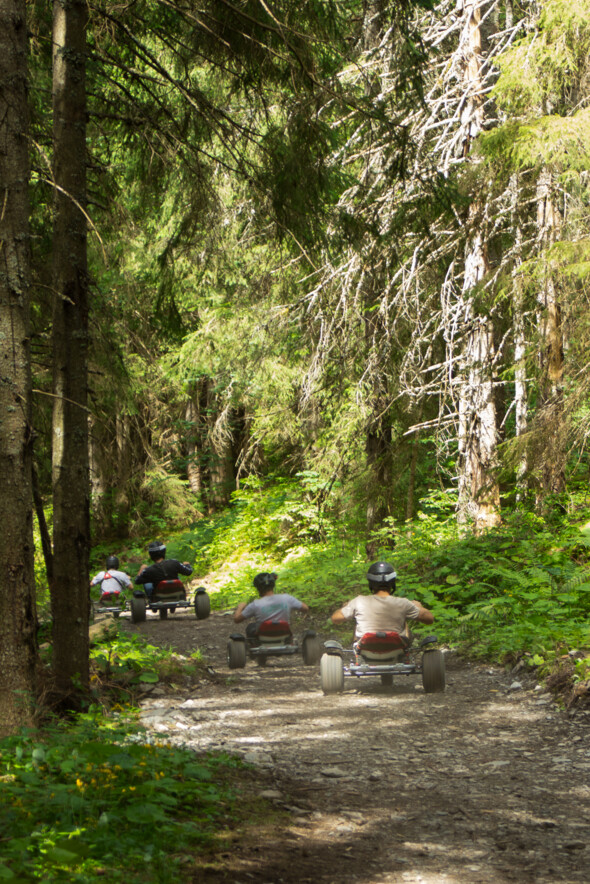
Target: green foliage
{"points": [[522, 588], [94, 800], [563, 143], [129, 658], [540, 69]]}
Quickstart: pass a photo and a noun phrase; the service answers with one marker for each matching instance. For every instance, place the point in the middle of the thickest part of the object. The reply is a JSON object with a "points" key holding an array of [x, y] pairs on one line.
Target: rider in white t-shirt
{"points": [[112, 579], [381, 611]]}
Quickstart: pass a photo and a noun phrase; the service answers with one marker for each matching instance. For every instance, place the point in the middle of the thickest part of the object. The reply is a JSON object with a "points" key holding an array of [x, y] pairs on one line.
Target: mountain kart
{"points": [[272, 639], [383, 654], [167, 596]]}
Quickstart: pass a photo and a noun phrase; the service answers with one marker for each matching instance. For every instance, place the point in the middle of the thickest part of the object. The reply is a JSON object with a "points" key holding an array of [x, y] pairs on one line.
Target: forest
{"points": [[295, 287]]}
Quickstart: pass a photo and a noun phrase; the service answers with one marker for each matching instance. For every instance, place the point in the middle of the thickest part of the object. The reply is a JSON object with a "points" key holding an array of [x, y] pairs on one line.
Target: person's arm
{"points": [[238, 616], [424, 615], [140, 578], [185, 568], [338, 617]]}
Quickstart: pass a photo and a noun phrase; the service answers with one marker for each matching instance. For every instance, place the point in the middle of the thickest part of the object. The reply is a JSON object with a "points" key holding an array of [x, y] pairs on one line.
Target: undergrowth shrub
{"points": [[93, 800]]}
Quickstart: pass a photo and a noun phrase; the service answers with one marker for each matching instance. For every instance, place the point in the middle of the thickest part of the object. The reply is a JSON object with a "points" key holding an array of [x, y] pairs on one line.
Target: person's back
{"points": [[111, 579], [167, 569], [269, 606], [378, 613], [381, 611], [161, 568], [273, 607]]}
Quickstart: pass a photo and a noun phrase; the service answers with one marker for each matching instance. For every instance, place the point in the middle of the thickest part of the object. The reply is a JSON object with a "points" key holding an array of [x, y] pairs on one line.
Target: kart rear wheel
{"points": [[312, 650], [137, 610], [331, 674], [433, 672], [236, 654], [163, 613], [202, 605], [387, 679]]}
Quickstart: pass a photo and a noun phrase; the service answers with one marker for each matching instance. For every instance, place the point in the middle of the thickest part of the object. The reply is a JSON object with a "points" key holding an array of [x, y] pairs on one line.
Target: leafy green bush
{"points": [[94, 801], [129, 657], [523, 588]]}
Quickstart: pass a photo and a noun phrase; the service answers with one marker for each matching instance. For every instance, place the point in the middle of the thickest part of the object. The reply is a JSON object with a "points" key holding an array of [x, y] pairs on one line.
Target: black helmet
{"points": [[157, 549], [265, 581], [112, 562], [381, 575]]}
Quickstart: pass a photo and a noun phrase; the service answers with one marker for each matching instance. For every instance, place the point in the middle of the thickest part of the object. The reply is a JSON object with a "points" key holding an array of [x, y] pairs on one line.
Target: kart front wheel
{"points": [[433, 672], [236, 654], [202, 605], [331, 674], [387, 679], [261, 659], [311, 649], [137, 610], [163, 613]]}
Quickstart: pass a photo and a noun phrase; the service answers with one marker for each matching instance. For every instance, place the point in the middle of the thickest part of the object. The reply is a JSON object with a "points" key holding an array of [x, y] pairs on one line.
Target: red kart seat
{"points": [[169, 591], [110, 595], [273, 630], [382, 645]]}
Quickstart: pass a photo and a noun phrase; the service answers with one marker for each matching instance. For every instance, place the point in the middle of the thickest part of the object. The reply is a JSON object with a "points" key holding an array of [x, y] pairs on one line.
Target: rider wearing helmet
{"points": [[381, 611], [111, 579], [161, 568], [268, 606]]}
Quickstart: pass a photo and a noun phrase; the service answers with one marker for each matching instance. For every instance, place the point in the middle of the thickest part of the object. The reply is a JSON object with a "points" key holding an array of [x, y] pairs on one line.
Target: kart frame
{"points": [[162, 602], [260, 648], [430, 664]]}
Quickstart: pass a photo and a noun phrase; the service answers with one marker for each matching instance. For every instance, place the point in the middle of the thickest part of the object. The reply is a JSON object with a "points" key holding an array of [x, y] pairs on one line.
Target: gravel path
{"points": [[488, 782]]}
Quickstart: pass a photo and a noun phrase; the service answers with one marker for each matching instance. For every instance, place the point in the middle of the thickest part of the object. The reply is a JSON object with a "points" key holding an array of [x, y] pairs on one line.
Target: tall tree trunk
{"points": [[551, 361], [479, 495], [71, 521], [410, 504], [520, 346], [18, 647], [193, 442], [378, 433]]}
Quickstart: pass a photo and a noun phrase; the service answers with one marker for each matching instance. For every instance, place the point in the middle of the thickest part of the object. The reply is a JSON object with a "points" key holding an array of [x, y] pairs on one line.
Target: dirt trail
{"points": [[487, 782]]}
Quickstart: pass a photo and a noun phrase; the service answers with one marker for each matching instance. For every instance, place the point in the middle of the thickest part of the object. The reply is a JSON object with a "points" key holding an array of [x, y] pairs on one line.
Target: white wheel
{"points": [[137, 610], [433, 672], [202, 605], [331, 674], [311, 650], [236, 654]]}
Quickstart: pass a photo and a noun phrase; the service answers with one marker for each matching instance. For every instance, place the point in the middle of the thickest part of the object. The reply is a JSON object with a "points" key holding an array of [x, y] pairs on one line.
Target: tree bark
{"points": [[479, 495], [18, 648], [520, 347], [71, 503], [193, 442], [551, 359]]}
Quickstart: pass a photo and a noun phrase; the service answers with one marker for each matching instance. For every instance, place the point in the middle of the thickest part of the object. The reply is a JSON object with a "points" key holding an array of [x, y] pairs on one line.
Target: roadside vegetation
{"points": [[94, 798], [518, 591]]}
